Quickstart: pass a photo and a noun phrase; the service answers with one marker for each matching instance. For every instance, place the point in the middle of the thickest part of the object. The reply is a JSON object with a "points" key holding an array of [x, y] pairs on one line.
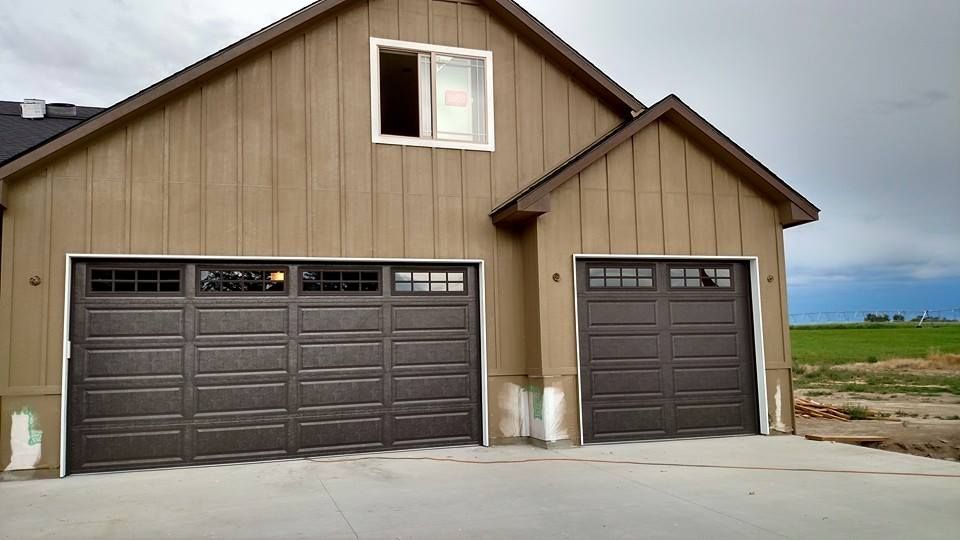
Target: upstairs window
{"points": [[430, 95]]}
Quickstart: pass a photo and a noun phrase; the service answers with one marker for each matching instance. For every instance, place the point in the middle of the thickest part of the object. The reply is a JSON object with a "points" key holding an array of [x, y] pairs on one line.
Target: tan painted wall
{"points": [[659, 194], [273, 156]]}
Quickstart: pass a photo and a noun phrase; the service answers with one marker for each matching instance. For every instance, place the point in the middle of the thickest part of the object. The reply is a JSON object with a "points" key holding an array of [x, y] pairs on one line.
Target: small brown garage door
{"points": [[183, 363], [666, 349]]}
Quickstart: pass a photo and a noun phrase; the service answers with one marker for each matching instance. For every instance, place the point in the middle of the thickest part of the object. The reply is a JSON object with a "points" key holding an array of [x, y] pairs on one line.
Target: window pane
{"points": [[613, 282], [169, 286], [693, 283], [170, 274], [596, 282], [676, 272], [351, 286], [403, 286], [676, 282], [125, 274], [613, 272], [645, 282], [455, 276], [369, 286], [123, 286], [101, 286], [723, 282], [369, 276], [146, 286], [253, 286], [102, 274], [596, 272], [693, 272], [438, 276], [629, 282], [645, 272], [399, 94], [460, 99], [421, 276], [438, 287], [147, 275], [456, 287], [421, 287], [629, 272], [723, 272], [403, 276]]}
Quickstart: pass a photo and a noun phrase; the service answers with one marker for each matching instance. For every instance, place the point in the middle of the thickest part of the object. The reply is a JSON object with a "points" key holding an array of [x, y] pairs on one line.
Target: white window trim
{"points": [[377, 43]]}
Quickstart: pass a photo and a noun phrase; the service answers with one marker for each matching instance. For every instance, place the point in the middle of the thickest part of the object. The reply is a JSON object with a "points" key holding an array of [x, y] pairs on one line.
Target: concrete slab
{"points": [[681, 489]]}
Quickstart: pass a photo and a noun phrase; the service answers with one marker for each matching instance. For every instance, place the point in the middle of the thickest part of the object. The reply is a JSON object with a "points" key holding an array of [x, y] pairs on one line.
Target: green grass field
{"points": [[846, 344], [817, 350]]}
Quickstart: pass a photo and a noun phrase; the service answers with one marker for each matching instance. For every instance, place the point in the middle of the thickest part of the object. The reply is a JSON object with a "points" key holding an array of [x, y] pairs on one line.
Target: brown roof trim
{"points": [[525, 204], [516, 16]]}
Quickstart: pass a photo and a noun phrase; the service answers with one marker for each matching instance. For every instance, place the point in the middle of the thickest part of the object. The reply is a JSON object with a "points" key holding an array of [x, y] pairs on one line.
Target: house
{"points": [[387, 224]]}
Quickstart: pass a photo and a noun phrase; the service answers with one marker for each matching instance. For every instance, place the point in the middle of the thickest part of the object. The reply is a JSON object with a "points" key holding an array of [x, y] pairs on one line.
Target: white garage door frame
{"points": [[68, 284], [760, 361]]}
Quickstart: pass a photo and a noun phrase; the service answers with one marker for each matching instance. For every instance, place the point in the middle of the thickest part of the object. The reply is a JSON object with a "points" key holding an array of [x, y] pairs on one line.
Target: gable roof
{"points": [[18, 134], [511, 13], [533, 200]]}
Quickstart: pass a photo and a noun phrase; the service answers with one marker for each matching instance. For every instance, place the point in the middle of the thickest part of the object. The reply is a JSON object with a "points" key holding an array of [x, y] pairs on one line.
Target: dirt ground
{"points": [[920, 425]]}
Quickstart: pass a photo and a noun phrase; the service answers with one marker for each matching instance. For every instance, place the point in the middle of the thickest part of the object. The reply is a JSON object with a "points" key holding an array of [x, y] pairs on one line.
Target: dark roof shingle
{"points": [[18, 134]]}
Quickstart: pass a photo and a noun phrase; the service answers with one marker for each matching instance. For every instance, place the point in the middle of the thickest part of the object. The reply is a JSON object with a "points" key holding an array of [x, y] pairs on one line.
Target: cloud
{"points": [[921, 101]]}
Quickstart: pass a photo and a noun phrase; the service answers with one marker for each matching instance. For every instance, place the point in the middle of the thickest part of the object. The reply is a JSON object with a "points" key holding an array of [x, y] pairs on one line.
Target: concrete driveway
{"points": [[400, 497]]}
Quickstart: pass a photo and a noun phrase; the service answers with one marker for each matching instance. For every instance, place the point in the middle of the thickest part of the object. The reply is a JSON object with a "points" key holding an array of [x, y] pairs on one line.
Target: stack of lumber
{"points": [[808, 408]]}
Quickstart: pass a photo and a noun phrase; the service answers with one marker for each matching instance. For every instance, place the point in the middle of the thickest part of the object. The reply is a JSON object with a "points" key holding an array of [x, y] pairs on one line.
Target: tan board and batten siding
{"points": [[273, 157]]}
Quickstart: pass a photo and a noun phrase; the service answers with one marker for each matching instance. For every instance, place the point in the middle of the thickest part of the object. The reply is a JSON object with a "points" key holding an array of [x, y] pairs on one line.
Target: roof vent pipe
{"points": [[33, 108], [62, 110]]}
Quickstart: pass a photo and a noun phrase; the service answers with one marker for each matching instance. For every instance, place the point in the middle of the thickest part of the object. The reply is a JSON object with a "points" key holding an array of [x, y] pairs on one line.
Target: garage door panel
{"points": [[341, 434], [714, 312], [615, 383], [431, 428], [706, 417], [236, 442], [228, 376], [106, 365], [448, 353], [104, 324], [430, 318], [239, 399], [112, 405], [608, 313], [705, 346], [626, 422], [341, 320], [606, 348], [241, 321], [674, 359], [430, 389], [341, 393], [130, 449], [333, 357], [239, 360], [687, 380]]}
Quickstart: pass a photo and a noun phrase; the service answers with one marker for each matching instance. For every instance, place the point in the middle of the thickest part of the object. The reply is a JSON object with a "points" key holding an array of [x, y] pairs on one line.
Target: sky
{"points": [[856, 104]]}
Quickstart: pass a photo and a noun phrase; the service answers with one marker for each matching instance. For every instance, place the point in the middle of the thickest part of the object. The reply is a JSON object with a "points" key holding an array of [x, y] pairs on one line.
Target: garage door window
{"points": [[339, 281], [242, 281], [621, 277], [128, 280], [429, 281], [692, 278]]}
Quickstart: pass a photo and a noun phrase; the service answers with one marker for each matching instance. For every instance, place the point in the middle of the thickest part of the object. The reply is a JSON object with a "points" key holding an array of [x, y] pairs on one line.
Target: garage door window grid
{"points": [[242, 281], [340, 280], [620, 277], [432, 281], [690, 278], [128, 280]]}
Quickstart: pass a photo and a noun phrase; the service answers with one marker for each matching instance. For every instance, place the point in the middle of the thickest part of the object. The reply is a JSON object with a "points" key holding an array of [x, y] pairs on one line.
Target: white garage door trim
{"points": [[756, 313], [68, 283]]}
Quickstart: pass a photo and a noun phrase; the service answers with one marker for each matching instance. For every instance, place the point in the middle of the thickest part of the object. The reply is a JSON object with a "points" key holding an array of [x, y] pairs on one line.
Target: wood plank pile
{"points": [[808, 408]]}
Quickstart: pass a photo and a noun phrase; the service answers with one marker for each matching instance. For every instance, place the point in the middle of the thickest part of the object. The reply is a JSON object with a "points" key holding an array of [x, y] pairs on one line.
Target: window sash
{"points": [[480, 88]]}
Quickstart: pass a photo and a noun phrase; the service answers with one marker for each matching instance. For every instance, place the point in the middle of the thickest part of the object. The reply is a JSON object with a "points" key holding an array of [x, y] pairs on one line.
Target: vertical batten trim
{"points": [[88, 195], [274, 162], [740, 215], [686, 189], [308, 142], [46, 265], [340, 149], [516, 107], [128, 189], [203, 170], [239, 154], [165, 183], [663, 213]]}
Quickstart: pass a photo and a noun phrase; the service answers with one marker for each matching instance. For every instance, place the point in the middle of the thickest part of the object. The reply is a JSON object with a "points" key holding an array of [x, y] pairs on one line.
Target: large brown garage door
{"points": [[666, 349], [183, 363]]}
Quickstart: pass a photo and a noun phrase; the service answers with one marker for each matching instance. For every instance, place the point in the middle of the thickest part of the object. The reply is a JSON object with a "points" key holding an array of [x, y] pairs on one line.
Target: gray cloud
{"points": [[852, 102]]}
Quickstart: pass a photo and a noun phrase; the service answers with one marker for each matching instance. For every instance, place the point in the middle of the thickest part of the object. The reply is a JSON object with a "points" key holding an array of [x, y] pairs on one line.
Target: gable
{"points": [[534, 200], [434, 21]]}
